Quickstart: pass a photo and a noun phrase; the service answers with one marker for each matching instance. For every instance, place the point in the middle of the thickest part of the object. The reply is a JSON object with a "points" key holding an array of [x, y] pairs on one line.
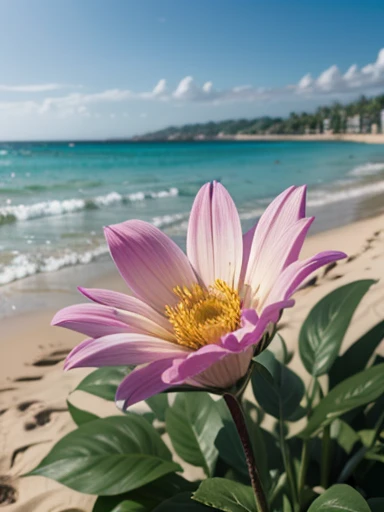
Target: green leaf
{"points": [[108, 456], [113, 504], [79, 416], [360, 389], [181, 503], [357, 356], [339, 498], [287, 507], [130, 506], [193, 423], [104, 381], [345, 435], [376, 504], [277, 389], [146, 497], [279, 349], [159, 405], [324, 328], [226, 495]]}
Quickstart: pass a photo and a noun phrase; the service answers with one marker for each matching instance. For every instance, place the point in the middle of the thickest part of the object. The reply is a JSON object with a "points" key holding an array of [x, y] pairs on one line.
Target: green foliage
{"points": [[357, 356], [325, 326], [340, 498], [108, 456], [79, 416], [277, 389], [226, 495], [193, 423], [296, 124], [104, 381], [146, 497], [360, 389], [339, 441]]}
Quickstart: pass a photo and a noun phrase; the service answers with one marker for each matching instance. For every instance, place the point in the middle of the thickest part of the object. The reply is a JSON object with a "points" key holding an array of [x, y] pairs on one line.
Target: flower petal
{"points": [[214, 240], [143, 383], [294, 274], [149, 261], [122, 349], [247, 244], [93, 320], [266, 267], [132, 311]]}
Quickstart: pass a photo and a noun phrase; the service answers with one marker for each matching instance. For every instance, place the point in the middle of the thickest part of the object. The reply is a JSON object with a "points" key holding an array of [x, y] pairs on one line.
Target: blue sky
{"points": [[111, 68]]}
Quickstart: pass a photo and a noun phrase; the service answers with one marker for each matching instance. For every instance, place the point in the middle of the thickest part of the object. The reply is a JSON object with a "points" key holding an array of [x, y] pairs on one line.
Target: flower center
{"points": [[203, 315]]}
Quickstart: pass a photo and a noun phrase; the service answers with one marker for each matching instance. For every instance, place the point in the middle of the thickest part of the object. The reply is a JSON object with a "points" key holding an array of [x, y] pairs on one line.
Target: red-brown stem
{"points": [[238, 418]]}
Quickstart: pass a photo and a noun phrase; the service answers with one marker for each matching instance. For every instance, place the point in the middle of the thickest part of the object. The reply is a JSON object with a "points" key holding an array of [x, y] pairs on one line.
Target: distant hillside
{"points": [[336, 119]]}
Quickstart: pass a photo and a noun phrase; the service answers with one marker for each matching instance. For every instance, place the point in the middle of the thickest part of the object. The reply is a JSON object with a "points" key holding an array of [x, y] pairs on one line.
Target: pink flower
{"points": [[194, 319]]}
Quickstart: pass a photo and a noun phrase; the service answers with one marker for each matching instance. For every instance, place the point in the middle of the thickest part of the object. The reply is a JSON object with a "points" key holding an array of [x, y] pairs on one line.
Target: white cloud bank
{"points": [[332, 81], [34, 87]]}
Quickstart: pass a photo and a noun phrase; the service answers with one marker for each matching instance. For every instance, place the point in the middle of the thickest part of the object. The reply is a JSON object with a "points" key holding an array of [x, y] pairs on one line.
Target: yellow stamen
{"points": [[203, 315]]}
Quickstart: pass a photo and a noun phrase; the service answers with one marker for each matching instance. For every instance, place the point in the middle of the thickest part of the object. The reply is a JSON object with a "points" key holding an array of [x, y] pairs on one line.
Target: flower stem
{"points": [[325, 456], [303, 468], [238, 417]]}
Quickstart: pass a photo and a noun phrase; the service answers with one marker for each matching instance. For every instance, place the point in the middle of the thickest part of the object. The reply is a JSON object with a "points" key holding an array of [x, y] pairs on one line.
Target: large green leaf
{"points": [[277, 389], [146, 497], [361, 389], [80, 416], [279, 349], [357, 356], [339, 498], [324, 328], [193, 423], [159, 405], [104, 381], [181, 503], [108, 456], [226, 495]]}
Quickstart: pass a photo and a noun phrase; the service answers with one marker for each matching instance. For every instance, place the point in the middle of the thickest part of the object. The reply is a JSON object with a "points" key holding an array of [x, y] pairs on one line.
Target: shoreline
{"points": [[366, 138], [34, 388]]}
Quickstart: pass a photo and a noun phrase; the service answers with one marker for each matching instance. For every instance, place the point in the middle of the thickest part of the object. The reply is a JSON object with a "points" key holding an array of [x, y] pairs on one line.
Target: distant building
{"points": [[353, 124], [374, 128], [382, 121], [365, 125], [327, 126]]}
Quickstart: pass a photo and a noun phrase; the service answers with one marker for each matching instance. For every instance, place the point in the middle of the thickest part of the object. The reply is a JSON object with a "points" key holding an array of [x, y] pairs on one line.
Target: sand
{"points": [[367, 138], [34, 389]]}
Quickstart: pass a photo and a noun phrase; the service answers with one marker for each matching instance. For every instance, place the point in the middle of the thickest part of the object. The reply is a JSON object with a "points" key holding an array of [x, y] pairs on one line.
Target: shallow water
{"points": [[55, 197]]}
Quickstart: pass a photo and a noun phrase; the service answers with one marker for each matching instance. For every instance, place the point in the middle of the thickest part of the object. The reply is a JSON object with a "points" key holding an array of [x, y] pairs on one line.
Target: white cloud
{"points": [[330, 82], [365, 80], [34, 87]]}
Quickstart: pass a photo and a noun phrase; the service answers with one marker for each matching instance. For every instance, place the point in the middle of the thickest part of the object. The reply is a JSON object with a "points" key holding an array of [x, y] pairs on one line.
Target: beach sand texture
{"points": [[34, 389]]}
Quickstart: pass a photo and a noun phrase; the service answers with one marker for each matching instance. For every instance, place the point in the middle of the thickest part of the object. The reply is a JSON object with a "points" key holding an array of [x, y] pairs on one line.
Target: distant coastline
{"points": [[367, 138]]}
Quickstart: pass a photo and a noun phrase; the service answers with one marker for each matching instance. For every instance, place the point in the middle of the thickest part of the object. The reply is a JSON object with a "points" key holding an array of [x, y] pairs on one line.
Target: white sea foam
{"points": [[27, 264], [324, 197], [367, 169], [22, 212]]}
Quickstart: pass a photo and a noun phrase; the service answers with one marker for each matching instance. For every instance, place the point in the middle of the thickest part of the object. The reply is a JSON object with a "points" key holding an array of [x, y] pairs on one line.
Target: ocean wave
{"points": [[367, 169], [324, 197], [24, 265], [28, 264], [21, 212]]}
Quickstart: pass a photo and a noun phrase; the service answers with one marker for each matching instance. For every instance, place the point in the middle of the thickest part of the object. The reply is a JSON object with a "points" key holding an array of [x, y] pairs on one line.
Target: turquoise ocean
{"points": [[55, 197]]}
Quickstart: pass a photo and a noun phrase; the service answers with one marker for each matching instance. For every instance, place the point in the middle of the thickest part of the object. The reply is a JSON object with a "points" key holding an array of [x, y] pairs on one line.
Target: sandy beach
{"points": [[366, 138], [34, 389]]}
